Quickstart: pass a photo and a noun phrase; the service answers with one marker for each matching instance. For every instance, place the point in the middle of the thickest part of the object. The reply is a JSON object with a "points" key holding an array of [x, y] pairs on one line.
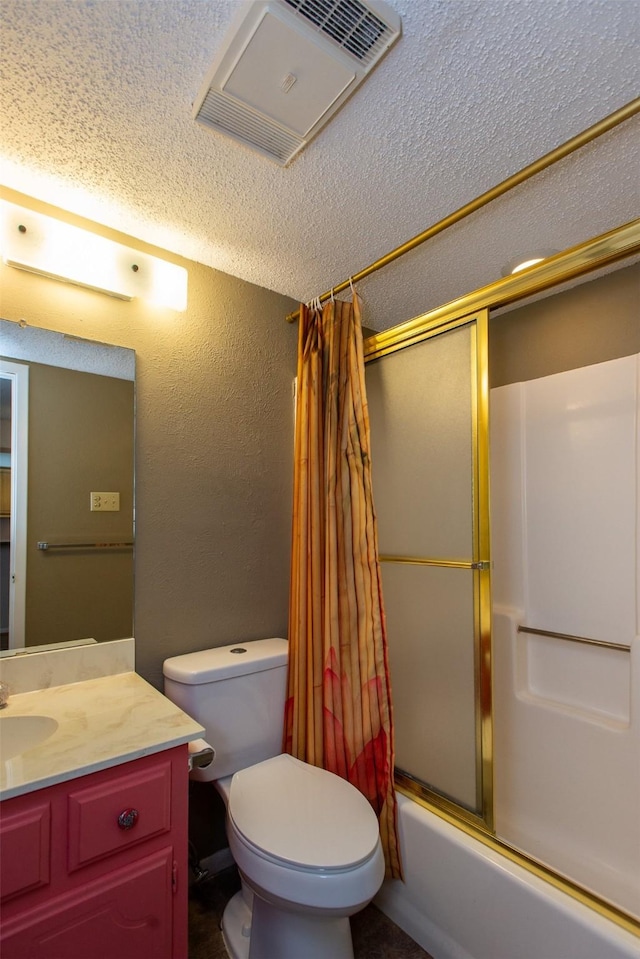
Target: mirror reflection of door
{"points": [[67, 564], [14, 424]]}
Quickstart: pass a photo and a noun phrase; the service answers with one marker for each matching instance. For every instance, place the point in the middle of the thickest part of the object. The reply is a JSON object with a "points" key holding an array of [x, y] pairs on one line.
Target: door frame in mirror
{"points": [[18, 375]]}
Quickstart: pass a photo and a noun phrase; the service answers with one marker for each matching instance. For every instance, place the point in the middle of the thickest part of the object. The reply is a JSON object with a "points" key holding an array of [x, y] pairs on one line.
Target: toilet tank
{"points": [[237, 693]]}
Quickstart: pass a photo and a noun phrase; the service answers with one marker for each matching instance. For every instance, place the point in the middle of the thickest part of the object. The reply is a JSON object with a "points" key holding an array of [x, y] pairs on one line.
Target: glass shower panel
{"points": [[420, 406], [424, 401], [430, 624]]}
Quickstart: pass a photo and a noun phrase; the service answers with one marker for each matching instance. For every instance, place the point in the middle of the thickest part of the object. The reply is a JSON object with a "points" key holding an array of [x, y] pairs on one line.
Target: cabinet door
{"points": [[94, 830], [125, 914], [24, 838]]}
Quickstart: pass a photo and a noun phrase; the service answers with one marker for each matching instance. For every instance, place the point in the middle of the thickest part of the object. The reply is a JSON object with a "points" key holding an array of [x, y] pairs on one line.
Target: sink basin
{"points": [[19, 733]]}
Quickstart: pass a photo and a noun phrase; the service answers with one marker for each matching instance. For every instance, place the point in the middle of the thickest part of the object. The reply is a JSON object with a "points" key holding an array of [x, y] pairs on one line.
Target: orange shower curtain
{"points": [[338, 712]]}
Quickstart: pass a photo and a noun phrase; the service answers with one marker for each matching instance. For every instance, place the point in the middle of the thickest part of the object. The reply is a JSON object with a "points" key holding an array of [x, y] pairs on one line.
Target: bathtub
{"points": [[462, 900]]}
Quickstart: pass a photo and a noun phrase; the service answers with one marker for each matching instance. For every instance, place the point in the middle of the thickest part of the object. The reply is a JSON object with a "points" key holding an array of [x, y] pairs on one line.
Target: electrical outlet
{"points": [[105, 502]]}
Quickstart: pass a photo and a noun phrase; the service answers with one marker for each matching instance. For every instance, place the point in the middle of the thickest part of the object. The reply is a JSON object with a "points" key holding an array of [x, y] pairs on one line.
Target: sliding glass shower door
{"points": [[428, 408]]}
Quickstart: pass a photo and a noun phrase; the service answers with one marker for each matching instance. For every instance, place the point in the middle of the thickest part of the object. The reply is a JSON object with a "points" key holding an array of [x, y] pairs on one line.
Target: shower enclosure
{"points": [[514, 715]]}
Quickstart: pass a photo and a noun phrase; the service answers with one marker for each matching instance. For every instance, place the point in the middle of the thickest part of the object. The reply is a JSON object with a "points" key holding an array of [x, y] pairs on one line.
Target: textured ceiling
{"points": [[96, 118]]}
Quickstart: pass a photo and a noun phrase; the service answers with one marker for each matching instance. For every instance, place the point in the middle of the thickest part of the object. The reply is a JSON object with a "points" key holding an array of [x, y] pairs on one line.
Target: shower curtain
{"points": [[338, 711]]}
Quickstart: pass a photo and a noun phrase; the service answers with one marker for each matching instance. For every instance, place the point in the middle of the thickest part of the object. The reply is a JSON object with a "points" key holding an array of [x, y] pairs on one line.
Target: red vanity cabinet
{"points": [[96, 867]]}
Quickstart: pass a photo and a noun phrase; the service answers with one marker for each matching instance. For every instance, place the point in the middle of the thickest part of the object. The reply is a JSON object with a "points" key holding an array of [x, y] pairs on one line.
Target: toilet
{"points": [[305, 841]]}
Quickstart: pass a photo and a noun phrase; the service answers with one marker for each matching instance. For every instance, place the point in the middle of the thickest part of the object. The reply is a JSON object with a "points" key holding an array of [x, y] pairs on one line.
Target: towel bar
{"points": [[46, 545], [573, 639]]}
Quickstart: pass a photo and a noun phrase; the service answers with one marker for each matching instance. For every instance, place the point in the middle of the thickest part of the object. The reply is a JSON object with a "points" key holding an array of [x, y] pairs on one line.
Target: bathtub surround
{"points": [[567, 731]]}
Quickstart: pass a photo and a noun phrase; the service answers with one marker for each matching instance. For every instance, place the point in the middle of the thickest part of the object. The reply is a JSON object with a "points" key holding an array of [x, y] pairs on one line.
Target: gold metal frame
{"points": [[482, 556], [565, 149], [577, 261], [563, 883], [610, 247]]}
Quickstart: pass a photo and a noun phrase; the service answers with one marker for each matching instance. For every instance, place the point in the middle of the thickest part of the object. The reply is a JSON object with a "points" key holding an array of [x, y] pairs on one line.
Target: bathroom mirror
{"points": [[67, 471]]}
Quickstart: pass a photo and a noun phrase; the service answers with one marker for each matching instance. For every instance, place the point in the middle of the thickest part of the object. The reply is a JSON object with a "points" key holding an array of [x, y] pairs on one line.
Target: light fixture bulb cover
{"points": [[525, 260], [43, 245]]}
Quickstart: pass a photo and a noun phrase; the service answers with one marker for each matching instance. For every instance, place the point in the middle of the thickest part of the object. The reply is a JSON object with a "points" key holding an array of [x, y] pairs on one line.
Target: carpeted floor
{"points": [[374, 936]]}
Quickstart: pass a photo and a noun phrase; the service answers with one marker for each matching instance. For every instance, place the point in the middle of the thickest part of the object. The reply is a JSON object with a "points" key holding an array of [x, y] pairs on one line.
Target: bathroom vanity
{"points": [[93, 823]]}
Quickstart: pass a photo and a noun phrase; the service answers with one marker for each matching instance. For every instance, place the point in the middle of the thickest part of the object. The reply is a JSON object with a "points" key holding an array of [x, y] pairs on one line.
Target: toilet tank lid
{"points": [[224, 662]]}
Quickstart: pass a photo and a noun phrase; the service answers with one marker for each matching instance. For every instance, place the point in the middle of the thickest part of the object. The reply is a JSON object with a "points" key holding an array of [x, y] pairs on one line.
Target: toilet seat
{"points": [[300, 816]]}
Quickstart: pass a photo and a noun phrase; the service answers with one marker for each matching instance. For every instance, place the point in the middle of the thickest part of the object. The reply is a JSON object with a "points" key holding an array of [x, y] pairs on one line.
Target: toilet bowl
{"points": [[307, 845], [305, 841]]}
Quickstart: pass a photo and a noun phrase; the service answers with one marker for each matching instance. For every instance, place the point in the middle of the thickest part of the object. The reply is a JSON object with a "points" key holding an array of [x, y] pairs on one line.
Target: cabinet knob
{"points": [[128, 818]]}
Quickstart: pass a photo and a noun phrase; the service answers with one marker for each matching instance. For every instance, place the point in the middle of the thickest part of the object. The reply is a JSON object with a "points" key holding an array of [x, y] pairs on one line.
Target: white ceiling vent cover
{"points": [[288, 65]]}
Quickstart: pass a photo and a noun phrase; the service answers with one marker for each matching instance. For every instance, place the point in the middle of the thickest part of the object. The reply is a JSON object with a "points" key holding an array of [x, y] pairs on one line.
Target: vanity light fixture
{"points": [[48, 247]]}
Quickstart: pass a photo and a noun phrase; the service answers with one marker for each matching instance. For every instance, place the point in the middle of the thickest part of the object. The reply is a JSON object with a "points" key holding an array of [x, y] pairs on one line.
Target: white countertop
{"points": [[101, 723]]}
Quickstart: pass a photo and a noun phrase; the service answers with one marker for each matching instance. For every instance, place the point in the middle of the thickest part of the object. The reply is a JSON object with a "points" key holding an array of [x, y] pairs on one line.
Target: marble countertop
{"points": [[101, 723]]}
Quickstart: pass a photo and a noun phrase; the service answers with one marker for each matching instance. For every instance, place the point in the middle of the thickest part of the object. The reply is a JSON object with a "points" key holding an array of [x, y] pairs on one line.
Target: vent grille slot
{"points": [[254, 130], [349, 23]]}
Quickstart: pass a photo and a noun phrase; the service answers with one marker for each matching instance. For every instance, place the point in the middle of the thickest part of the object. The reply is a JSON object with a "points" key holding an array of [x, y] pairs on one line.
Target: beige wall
{"points": [[213, 447], [591, 323], [80, 439]]}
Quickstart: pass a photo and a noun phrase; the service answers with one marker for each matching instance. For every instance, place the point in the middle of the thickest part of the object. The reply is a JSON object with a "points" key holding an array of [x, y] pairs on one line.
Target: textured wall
{"points": [[96, 106], [80, 439], [213, 448], [591, 323]]}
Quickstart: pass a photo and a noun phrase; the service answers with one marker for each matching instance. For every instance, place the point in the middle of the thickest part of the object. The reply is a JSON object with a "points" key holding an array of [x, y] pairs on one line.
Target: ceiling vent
{"points": [[288, 65]]}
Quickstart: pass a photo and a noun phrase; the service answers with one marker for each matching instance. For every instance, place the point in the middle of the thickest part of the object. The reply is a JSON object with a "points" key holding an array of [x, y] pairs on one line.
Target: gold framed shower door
{"points": [[478, 809], [613, 246]]}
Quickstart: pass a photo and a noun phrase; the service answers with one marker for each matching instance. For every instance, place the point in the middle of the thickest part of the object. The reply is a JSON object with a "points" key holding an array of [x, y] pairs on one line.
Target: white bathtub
{"points": [[462, 900]]}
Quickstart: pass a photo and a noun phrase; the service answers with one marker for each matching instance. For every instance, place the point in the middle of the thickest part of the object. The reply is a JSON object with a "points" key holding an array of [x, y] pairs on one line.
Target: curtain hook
{"points": [[353, 292], [333, 299]]}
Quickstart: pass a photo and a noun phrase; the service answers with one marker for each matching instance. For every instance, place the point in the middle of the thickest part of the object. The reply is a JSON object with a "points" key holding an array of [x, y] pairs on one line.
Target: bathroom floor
{"points": [[374, 936]]}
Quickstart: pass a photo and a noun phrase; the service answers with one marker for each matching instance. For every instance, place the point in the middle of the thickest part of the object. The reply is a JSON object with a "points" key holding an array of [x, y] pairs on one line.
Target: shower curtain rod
{"points": [[570, 146]]}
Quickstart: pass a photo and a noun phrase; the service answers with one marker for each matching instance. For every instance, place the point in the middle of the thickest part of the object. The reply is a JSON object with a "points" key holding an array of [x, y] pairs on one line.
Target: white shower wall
{"points": [[564, 495]]}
